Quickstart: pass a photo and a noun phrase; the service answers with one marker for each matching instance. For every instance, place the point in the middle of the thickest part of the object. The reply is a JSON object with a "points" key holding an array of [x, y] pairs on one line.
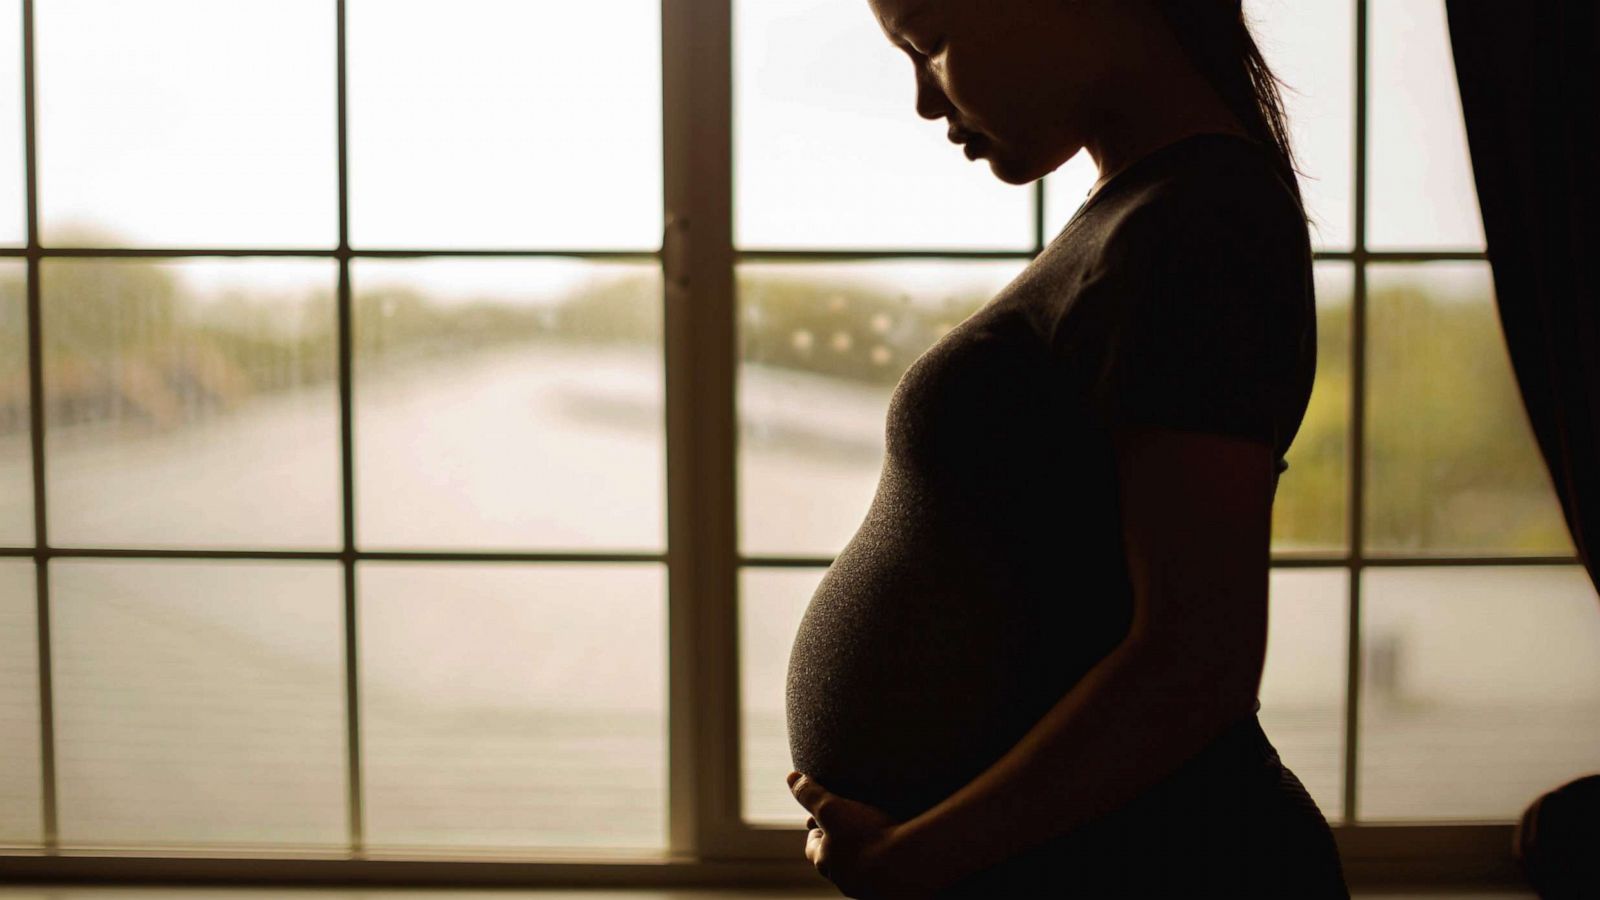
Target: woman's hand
{"points": [[860, 848]]}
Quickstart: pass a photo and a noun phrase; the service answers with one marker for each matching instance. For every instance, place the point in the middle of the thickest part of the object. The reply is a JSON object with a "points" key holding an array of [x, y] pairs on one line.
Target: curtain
{"points": [[1528, 75], [1529, 83]]}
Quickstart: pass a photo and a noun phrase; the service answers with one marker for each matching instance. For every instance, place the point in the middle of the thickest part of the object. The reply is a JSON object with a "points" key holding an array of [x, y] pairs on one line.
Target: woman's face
{"points": [[1020, 81]]}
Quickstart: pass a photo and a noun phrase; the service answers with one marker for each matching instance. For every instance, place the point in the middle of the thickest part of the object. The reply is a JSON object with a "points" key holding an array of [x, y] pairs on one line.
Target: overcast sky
{"points": [[537, 124]]}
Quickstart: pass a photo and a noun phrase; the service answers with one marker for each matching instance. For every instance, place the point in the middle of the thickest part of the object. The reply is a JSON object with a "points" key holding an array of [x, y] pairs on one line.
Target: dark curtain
{"points": [[1529, 75], [1529, 81]]}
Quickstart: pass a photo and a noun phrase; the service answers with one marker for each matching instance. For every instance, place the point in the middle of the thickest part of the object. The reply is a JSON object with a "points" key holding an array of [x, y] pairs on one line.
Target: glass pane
{"points": [[13, 220], [822, 348], [771, 603], [191, 403], [199, 703], [514, 706], [21, 791], [187, 123], [1480, 689], [509, 403], [16, 436], [522, 125], [1451, 461], [1420, 191], [1311, 46], [1309, 512], [830, 151], [1302, 689]]}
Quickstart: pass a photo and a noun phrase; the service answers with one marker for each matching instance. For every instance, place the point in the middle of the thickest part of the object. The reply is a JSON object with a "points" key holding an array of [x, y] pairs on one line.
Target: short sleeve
{"points": [[1213, 315]]}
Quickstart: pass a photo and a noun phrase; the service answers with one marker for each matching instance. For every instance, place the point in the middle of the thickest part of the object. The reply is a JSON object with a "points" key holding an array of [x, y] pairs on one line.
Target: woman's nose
{"points": [[931, 101]]}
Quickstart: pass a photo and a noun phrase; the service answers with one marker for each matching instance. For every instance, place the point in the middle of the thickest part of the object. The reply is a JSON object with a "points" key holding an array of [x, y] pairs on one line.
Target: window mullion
{"points": [[700, 355], [1038, 216], [41, 542], [1358, 405], [352, 687]]}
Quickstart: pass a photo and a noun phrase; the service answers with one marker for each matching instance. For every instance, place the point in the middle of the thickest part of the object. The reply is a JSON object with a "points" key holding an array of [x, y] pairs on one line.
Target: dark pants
{"points": [[1233, 822]]}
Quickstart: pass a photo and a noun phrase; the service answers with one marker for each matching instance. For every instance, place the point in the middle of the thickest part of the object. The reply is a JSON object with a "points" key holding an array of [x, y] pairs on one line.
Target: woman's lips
{"points": [[973, 143]]}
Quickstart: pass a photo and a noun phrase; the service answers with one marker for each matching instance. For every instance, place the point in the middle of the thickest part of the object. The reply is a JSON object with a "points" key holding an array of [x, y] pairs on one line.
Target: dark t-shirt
{"points": [[1194, 304], [988, 573]]}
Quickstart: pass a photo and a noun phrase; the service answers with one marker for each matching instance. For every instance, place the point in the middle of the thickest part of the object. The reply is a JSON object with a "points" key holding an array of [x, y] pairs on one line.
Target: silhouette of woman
{"points": [[1033, 670]]}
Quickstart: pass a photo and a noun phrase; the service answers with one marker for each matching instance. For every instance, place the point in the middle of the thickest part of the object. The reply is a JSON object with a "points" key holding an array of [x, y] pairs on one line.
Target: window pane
{"points": [[16, 435], [1311, 46], [199, 703], [13, 221], [1420, 188], [21, 791], [514, 706], [1302, 689], [520, 125], [509, 404], [822, 348], [191, 403], [1480, 689], [187, 123], [1451, 461], [771, 603], [830, 149], [1309, 512]]}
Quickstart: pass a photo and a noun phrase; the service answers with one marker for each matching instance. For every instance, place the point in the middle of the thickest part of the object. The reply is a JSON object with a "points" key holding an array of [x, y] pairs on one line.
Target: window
{"points": [[370, 485], [350, 530]]}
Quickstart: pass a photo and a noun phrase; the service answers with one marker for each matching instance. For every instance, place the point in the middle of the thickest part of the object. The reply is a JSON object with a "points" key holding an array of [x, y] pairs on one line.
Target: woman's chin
{"points": [[1009, 172]]}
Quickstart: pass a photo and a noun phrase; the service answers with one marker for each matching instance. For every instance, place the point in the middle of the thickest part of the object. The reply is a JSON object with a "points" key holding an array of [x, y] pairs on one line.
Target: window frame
{"points": [[709, 842]]}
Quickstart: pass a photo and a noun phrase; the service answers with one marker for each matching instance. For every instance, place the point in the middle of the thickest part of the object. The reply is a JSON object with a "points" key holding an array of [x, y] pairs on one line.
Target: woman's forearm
{"points": [[1131, 721]]}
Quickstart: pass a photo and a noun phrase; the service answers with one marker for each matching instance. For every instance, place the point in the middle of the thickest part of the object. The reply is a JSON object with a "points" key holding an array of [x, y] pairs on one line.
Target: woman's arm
{"points": [[1196, 512]]}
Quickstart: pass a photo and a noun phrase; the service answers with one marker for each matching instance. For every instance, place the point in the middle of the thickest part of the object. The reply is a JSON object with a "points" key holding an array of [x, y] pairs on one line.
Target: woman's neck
{"points": [[1186, 105]]}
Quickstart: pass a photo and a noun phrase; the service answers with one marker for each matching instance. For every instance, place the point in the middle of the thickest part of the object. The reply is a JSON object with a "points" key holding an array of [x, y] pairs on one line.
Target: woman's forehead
{"points": [[897, 15]]}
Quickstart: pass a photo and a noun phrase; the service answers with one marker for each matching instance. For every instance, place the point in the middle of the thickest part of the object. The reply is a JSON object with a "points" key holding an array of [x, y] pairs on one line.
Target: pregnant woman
{"points": [[1033, 671]]}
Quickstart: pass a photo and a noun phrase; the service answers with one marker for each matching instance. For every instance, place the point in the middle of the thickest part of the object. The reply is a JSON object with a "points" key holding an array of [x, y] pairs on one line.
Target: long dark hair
{"points": [[1217, 39]]}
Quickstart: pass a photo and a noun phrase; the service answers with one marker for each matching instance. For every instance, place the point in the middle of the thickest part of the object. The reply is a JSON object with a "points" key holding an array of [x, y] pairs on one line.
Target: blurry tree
{"points": [[1452, 463]]}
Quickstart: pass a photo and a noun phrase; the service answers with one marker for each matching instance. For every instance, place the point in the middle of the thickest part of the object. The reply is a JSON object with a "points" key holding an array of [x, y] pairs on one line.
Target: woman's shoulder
{"points": [[1221, 194]]}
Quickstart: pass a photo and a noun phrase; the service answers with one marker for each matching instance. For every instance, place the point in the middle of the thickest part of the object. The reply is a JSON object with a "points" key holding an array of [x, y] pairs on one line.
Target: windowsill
{"points": [[1392, 857]]}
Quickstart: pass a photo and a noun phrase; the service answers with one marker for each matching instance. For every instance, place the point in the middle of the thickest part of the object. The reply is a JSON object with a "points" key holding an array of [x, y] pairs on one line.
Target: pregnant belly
{"points": [[915, 666]]}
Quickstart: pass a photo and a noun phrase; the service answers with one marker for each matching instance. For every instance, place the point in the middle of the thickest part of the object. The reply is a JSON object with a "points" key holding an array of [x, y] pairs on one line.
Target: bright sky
{"points": [[536, 123]]}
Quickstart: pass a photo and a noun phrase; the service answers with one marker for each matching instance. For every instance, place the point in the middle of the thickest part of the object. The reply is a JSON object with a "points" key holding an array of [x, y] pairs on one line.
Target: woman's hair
{"points": [[1217, 39]]}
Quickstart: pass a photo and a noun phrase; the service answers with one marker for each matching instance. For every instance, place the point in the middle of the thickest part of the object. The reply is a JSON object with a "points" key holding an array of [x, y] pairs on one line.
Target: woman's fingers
{"points": [[811, 822]]}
